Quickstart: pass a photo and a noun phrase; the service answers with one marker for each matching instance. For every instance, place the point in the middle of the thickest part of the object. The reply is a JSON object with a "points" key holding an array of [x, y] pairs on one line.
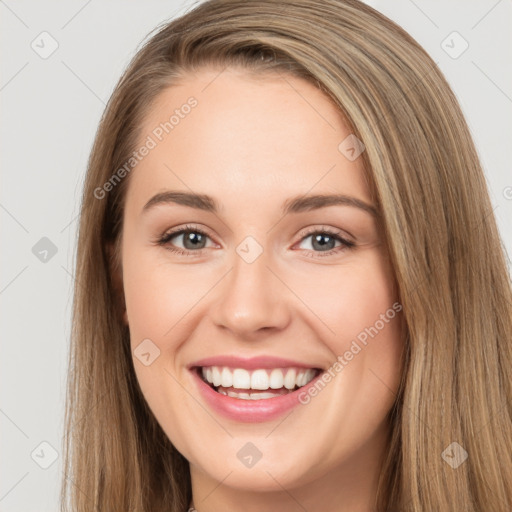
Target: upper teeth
{"points": [[258, 379]]}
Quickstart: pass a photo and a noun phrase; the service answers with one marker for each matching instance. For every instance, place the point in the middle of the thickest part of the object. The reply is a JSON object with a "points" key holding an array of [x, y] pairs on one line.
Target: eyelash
{"points": [[346, 244]]}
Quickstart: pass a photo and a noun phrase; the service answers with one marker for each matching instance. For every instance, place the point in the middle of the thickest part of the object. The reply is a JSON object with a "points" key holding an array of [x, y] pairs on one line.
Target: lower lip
{"points": [[250, 411]]}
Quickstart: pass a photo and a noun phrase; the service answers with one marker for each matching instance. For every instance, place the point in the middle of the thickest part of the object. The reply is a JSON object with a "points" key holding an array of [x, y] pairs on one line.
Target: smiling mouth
{"points": [[259, 384]]}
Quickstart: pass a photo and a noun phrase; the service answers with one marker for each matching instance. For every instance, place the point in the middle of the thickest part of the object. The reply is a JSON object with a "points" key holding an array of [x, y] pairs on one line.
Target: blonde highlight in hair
{"points": [[438, 222]]}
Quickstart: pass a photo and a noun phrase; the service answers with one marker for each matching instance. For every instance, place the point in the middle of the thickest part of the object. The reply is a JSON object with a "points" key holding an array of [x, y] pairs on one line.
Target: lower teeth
{"points": [[262, 395]]}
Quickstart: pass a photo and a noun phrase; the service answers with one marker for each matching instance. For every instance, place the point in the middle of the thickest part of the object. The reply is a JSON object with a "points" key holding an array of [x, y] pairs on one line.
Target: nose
{"points": [[251, 300]]}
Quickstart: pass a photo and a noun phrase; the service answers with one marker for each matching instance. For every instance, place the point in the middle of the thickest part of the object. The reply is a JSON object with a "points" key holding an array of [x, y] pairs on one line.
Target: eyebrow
{"points": [[293, 205]]}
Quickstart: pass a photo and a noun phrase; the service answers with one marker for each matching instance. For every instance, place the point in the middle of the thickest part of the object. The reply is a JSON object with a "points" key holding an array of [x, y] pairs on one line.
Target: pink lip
{"points": [[252, 363], [249, 411]]}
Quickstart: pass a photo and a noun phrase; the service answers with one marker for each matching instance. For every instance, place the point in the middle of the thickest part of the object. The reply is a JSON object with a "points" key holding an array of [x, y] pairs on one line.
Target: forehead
{"points": [[244, 140]]}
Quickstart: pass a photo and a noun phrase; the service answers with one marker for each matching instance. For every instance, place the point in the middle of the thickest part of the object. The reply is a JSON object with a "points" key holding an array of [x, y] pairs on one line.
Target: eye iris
{"points": [[322, 246], [195, 238]]}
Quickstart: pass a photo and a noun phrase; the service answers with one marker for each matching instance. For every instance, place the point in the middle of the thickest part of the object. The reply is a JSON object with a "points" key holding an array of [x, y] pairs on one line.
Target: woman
{"points": [[294, 295]]}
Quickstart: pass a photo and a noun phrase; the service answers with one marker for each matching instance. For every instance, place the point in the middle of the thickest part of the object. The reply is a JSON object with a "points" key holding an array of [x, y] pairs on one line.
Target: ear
{"points": [[116, 278]]}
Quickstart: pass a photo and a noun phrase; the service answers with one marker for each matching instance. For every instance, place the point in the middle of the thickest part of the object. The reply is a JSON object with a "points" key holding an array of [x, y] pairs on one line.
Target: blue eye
{"points": [[194, 237], [325, 241], [194, 240]]}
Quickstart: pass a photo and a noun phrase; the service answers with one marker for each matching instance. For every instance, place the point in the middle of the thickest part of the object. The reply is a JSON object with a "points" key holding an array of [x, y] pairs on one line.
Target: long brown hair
{"points": [[438, 223]]}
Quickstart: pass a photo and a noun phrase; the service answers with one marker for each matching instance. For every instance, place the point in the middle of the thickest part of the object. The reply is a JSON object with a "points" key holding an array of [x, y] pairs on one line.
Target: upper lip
{"points": [[252, 363]]}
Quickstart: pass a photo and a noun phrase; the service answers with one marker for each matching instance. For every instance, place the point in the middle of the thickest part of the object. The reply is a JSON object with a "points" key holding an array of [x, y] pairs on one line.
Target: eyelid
{"points": [[337, 234], [306, 232], [171, 233], [321, 228]]}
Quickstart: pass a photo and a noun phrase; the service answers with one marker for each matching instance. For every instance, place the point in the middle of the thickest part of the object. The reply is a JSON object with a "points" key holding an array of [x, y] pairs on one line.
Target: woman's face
{"points": [[267, 289]]}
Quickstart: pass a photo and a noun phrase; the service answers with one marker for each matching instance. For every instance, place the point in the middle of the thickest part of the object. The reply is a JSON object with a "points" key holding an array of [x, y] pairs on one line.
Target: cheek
{"points": [[344, 302], [158, 299], [350, 299], [359, 315], [159, 295], [162, 301]]}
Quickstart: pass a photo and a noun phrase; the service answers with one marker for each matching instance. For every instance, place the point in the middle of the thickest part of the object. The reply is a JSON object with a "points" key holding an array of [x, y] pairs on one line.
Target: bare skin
{"points": [[252, 144]]}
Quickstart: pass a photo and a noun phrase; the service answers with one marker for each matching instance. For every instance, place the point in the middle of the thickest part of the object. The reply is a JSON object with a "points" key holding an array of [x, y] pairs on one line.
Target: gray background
{"points": [[50, 110]]}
